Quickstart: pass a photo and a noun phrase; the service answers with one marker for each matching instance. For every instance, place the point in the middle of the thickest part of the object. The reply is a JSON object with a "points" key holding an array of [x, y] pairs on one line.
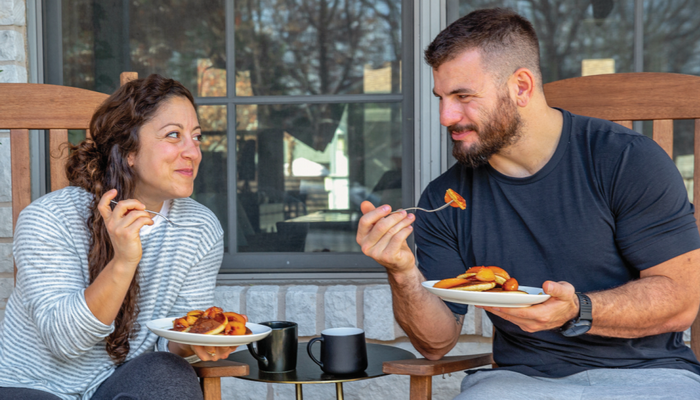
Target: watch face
{"points": [[578, 328]]}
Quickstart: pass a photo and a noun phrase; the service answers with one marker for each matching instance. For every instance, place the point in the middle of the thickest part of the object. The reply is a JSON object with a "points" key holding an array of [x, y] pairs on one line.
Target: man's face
{"points": [[481, 117]]}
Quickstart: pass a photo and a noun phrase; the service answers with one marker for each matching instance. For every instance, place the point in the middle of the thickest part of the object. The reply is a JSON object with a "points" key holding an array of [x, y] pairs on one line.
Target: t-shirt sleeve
{"points": [[654, 219], [437, 247]]}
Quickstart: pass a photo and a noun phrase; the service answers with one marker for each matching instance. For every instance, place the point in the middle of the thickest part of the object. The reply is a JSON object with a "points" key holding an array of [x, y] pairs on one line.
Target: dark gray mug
{"points": [[343, 351], [277, 352]]}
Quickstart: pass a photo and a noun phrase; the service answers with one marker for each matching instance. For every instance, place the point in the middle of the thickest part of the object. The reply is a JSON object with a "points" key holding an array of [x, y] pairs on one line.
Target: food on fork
{"points": [[457, 200], [482, 279], [213, 321]]}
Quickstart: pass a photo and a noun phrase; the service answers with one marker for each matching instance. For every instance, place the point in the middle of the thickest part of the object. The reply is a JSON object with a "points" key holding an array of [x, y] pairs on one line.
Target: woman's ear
{"points": [[523, 81], [130, 159]]}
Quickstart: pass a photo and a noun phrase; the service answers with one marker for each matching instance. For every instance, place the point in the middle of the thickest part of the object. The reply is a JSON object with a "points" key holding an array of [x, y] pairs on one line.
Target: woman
{"points": [[90, 274]]}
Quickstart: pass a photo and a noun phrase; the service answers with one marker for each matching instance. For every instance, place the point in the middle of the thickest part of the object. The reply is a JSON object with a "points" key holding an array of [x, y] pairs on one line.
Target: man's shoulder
{"points": [[602, 138]]}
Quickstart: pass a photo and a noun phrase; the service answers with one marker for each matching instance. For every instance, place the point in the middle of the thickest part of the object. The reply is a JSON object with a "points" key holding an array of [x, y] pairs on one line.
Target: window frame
{"points": [[235, 262]]}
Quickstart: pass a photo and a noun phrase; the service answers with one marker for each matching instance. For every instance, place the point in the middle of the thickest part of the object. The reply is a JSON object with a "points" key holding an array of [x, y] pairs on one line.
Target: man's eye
{"points": [[464, 97]]}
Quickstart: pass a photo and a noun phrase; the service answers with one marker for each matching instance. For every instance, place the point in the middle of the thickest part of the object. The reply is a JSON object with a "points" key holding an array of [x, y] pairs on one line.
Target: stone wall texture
{"points": [[317, 307]]}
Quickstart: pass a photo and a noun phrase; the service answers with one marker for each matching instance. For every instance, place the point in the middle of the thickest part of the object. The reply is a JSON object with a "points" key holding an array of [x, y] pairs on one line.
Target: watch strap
{"points": [[585, 307], [582, 323]]}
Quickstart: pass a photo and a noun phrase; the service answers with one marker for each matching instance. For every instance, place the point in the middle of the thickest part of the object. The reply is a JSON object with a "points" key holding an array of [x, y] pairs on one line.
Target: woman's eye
{"points": [[197, 138], [173, 134]]}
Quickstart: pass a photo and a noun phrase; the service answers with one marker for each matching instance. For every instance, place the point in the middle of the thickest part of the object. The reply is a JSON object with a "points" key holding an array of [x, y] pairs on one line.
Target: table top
{"points": [[309, 372]]}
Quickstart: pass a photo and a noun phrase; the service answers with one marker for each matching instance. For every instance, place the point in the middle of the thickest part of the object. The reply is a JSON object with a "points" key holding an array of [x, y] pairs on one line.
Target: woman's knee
{"points": [[166, 365]]}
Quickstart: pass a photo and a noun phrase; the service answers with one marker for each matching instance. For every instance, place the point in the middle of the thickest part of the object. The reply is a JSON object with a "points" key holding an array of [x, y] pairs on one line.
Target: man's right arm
{"points": [[430, 325]]}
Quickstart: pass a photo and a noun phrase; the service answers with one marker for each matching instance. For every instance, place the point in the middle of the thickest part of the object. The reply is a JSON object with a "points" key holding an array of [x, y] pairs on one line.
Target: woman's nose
{"points": [[191, 150]]}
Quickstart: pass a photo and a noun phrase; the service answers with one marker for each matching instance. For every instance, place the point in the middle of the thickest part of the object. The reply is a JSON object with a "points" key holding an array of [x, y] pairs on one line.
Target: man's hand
{"points": [[382, 236], [556, 311], [427, 321]]}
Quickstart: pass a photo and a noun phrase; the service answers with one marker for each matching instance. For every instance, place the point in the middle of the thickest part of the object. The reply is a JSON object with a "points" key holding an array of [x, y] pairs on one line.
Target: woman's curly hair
{"points": [[99, 164]]}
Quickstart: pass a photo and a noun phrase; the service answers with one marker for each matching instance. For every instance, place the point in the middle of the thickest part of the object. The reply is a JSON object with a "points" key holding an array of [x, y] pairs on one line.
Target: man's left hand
{"points": [[561, 307]]}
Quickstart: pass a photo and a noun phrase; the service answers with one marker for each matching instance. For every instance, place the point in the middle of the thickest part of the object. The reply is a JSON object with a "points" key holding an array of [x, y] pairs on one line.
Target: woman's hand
{"points": [[123, 225], [205, 353]]}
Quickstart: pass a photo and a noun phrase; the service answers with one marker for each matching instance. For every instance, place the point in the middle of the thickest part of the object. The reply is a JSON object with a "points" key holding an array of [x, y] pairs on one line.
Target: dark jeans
{"points": [[150, 376]]}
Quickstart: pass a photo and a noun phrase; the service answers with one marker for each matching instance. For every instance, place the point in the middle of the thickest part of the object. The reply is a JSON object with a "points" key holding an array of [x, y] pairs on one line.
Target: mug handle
{"points": [[257, 356], [308, 350]]}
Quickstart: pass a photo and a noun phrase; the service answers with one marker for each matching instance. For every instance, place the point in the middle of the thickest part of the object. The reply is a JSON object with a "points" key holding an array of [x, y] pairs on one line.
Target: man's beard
{"points": [[501, 128]]}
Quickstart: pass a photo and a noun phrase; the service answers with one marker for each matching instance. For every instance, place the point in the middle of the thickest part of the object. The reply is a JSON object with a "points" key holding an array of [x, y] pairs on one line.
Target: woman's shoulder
{"points": [[189, 211], [67, 201]]}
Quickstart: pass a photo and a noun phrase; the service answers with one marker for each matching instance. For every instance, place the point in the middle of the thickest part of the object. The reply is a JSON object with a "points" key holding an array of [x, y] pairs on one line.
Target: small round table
{"points": [[309, 372]]}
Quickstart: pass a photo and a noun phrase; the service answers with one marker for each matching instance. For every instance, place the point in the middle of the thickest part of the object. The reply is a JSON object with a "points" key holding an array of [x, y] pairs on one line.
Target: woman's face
{"points": [[168, 158]]}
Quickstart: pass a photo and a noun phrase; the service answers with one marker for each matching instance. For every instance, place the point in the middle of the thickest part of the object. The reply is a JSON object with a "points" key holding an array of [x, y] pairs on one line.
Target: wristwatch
{"points": [[582, 323]]}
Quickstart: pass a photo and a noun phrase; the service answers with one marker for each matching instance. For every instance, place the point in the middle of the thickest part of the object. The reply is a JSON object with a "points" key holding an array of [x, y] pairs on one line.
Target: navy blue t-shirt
{"points": [[609, 204]]}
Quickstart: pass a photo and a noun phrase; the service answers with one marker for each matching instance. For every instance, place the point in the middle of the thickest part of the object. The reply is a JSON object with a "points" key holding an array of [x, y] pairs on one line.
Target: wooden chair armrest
{"points": [[446, 365], [219, 369], [211, 372]]}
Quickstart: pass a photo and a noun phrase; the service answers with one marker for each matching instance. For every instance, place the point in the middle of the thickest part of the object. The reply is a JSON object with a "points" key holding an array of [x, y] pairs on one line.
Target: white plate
{"points": [[490, 299], [161, 327]]}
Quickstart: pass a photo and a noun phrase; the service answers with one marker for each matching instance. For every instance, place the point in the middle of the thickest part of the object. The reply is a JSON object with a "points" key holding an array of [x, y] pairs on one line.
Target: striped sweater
{"points": [[49, 339]]}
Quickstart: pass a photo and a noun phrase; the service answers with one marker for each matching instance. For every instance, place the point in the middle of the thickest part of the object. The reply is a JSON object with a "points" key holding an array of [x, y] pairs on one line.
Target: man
{"points": [[594, 213]]}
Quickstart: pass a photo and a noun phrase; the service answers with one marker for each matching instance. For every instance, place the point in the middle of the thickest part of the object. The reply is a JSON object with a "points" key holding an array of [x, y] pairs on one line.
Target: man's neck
{"points": [[539, 138]]}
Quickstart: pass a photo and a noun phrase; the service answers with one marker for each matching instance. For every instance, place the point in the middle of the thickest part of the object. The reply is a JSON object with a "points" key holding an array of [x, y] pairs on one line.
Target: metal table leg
{"points": [[339, 390], [300, 395]]}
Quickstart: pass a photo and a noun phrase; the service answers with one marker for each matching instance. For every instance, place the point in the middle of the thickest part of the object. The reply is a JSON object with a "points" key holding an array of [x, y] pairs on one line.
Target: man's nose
{"points": [[449, 114]]}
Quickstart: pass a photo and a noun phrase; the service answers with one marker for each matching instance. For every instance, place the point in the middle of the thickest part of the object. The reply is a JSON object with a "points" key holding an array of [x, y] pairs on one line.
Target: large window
{"points": [[303, 105]]}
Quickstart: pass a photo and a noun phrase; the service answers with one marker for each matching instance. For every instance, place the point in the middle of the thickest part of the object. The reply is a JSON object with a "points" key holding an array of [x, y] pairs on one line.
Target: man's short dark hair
{"points": [[505, 40]]}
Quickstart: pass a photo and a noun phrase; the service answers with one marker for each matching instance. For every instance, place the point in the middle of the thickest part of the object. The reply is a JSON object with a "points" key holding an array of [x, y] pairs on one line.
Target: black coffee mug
{"points": [[343, 351], [277, 352]]}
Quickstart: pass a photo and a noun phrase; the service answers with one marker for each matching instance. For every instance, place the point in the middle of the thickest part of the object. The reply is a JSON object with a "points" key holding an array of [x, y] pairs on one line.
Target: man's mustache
{"points": [[462, 128]]}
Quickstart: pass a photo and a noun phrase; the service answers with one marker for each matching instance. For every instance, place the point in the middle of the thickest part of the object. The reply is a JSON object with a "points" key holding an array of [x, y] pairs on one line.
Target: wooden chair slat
{"points": [[696, 178], [58, 156], [663, 135], [655, 95], [21, 177], [626, 124], [125, 77], [61, 107]]}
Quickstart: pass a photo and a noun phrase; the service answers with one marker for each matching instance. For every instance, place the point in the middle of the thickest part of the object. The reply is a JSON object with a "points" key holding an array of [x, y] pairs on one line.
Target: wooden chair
{"points": [[623, 98], [57, 109]]}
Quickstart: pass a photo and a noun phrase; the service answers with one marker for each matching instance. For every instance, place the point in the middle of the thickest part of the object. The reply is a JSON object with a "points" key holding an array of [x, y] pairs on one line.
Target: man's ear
{"points": [[522, 83]]}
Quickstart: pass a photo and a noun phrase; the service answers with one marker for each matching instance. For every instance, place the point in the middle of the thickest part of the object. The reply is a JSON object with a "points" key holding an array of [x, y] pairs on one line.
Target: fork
{"points": [[166, 218], [423, 209]]}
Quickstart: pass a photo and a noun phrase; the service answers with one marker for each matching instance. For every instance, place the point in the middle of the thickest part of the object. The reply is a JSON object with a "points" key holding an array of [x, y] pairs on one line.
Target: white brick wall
{"points": [[12, 12], [316, 308]]}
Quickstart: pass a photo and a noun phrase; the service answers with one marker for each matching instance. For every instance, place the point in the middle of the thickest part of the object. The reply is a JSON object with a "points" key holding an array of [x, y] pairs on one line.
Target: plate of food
{"points": [[486, 286], [212, 327]]}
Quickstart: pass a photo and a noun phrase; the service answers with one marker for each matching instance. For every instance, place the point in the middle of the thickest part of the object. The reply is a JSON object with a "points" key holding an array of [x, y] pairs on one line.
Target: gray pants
{"points": [[597, 384], [150, 376]]}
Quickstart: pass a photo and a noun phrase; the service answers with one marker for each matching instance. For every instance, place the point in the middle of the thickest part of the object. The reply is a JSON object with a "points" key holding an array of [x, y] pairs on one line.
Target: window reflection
{"points": [[303, 171], [302, 47], [180, 39], [210, 186], [574, 35]]}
